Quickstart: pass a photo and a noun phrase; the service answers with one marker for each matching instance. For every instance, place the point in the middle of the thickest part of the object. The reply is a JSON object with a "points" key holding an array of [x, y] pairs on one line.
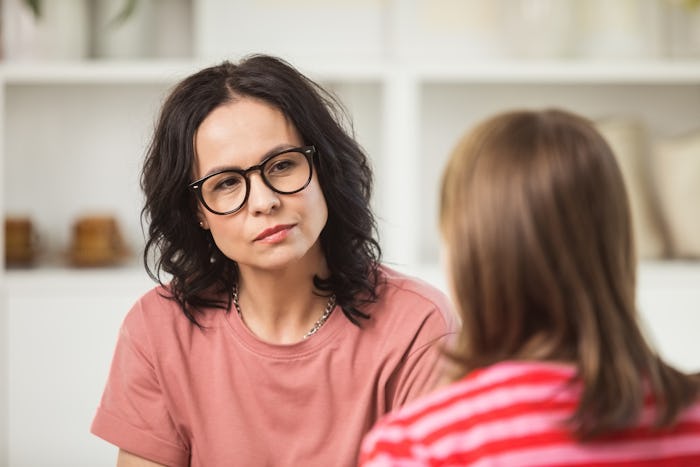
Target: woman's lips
{"points": [[274, 234]]}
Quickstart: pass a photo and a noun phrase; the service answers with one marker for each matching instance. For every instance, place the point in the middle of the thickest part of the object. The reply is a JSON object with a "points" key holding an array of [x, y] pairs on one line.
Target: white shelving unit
{"points": [[406, 115], [72, 136]]}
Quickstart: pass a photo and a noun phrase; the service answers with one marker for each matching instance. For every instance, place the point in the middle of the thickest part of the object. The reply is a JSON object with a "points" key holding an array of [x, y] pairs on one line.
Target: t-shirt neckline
{"points": [[312, 344]]}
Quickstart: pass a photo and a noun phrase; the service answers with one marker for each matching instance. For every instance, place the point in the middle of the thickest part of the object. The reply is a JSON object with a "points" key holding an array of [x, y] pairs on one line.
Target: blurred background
{"points": [[81, 83]]}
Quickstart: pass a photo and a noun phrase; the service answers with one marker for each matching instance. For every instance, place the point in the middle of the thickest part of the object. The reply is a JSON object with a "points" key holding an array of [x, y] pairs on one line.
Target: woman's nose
{"points": [[261, 198]]}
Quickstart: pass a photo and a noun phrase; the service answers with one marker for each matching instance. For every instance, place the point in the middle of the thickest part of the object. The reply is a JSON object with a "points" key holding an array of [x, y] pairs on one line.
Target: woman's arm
{"points": [[126, 459]]}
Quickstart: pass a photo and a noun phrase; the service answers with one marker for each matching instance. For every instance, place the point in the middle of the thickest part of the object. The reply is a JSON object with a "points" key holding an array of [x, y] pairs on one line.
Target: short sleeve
{"points": [[133, 413], [423, 369]]}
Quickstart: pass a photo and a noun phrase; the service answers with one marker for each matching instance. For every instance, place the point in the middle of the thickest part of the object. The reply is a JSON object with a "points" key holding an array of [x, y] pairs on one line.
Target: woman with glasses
{"points": [[553, 367], [278, 338]]}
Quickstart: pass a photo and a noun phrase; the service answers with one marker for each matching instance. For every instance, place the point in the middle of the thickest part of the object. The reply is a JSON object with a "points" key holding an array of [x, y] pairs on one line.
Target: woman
{"points": [[553, 368], [279, 338]]}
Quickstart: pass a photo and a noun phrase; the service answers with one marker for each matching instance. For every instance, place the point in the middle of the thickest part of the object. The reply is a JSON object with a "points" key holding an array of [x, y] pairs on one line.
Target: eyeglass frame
{"points": [[307, 151]]}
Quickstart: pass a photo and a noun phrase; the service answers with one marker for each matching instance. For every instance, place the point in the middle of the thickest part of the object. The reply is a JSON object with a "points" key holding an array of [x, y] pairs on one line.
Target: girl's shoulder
{"points": [[501, 388]]}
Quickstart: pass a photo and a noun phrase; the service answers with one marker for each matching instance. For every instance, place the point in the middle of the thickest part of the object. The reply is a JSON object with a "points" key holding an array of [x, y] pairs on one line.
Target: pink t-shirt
{"points": [[182, 396], [513, 414]]}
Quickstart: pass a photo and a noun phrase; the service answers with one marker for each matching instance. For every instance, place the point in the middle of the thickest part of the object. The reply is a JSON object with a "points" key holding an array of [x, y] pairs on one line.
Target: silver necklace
{"points": [[317, 325]]}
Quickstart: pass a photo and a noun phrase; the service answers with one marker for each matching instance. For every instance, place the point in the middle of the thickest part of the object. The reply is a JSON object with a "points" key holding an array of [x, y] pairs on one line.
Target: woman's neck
{"points": [[280, 306]]}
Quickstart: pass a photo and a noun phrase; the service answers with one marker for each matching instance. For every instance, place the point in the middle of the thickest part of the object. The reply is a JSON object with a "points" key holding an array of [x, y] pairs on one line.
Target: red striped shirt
{"points": [[514, 414]]}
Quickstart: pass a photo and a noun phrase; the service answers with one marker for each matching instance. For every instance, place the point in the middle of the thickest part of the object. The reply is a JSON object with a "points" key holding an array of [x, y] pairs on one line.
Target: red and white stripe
{"points": [[514, 414]]}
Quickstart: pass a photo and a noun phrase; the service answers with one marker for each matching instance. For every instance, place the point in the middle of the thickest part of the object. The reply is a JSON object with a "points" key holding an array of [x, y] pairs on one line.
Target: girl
{"points": [[553, 368]]}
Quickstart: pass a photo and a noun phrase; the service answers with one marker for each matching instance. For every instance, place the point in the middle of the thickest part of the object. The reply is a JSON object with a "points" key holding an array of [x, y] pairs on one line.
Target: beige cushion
{"points": [[676, 164], [629, 141]]}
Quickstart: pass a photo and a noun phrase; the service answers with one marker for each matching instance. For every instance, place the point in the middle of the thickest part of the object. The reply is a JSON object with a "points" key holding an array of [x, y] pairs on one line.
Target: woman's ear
{"points": [[202, 218]]}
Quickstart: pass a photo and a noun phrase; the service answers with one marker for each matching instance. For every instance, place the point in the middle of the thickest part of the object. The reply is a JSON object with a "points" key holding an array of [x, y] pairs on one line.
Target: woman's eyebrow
{"points": [[276, 149]]}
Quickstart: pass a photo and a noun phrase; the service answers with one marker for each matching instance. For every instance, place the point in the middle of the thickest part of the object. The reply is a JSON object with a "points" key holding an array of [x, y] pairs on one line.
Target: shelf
{"points": [[670, 275], [652, 275], [562, 71], [509, 71], [136, 72], [76, 282], [655, 275], [97, 72]]}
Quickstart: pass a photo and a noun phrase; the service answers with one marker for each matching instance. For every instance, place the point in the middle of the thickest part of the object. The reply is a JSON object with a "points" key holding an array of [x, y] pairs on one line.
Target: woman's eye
{"points": [[228, 183], [281, 165]]}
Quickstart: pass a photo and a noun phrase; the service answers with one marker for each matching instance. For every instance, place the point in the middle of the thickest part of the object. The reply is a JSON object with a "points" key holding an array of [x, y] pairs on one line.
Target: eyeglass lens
{"points": [[284, 173]]}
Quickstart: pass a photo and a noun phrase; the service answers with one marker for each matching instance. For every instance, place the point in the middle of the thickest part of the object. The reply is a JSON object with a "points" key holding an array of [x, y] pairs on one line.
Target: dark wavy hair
{"points": [[201, 275]]}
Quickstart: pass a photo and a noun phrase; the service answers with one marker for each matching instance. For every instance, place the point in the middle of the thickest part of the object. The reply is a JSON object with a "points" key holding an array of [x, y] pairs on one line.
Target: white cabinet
{"points": [[61, 328], [73, 136]]}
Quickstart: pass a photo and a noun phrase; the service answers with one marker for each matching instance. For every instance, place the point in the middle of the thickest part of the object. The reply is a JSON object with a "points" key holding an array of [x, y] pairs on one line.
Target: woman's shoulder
{"points": [[157, 312], [157, 303], [404, 286], [411, 307], [410, 293]]}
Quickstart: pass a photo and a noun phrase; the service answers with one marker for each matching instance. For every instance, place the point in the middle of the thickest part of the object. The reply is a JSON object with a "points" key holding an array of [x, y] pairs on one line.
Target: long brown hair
{"points": [[536, 222]]}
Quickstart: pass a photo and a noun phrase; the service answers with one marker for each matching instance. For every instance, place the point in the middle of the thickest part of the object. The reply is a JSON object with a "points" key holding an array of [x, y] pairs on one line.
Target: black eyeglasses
{"points": [[285, 172]]}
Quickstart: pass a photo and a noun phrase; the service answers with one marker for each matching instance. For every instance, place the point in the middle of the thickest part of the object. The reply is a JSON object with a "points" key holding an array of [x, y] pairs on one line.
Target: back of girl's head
{"points": [[177, 245], [539, 251], [537, 228]]}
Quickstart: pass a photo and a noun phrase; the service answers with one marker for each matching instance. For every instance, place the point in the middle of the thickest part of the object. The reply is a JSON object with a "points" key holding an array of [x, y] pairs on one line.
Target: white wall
{"points": [[61, 339]]}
